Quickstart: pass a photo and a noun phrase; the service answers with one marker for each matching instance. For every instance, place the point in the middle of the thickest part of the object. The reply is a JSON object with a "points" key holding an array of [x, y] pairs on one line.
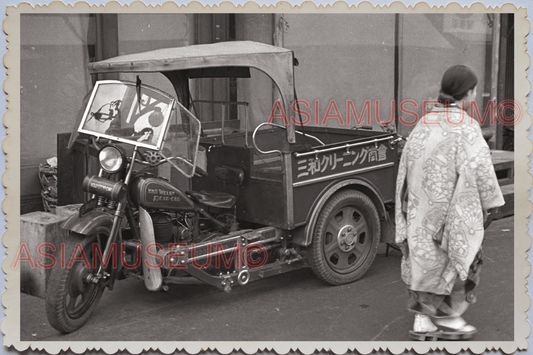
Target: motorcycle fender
{"points": [[88, 224], [153, 279]]}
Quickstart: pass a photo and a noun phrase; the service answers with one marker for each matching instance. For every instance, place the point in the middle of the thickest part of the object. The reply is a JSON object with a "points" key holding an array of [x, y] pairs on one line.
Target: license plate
{"points": [[87, 207]]}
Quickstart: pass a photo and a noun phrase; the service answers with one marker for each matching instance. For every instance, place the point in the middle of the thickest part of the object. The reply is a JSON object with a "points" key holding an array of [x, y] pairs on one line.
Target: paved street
{"points": [[290, 307]]}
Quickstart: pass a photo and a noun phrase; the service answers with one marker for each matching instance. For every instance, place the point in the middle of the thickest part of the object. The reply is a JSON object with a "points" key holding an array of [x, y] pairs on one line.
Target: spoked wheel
{"points": [[345, 239], [71, 295]]}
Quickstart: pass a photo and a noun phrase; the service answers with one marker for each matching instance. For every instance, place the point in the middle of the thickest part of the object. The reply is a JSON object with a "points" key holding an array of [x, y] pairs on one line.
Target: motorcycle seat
{"points": [[214, 198]]}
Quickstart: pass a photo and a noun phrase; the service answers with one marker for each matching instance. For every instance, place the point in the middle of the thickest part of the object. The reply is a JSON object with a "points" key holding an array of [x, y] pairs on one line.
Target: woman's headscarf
{"points": [[456, 82]]}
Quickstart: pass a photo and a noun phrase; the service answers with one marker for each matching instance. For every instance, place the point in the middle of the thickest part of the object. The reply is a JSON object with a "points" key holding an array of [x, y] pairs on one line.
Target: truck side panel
{"points": [[373, 162], [381, 179]]}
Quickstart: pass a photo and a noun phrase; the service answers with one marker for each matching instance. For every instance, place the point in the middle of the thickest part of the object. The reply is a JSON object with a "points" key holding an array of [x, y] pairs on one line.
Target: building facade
{"points": [[353, 69]]}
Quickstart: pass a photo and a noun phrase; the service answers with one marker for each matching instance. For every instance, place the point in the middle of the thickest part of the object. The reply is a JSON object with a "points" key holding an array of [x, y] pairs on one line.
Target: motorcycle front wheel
{"points": [[71, 296]]}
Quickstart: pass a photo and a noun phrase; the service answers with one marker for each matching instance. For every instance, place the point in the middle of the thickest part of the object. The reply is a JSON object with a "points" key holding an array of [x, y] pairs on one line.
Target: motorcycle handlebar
{"points": [[94, 141], [155, 161]]}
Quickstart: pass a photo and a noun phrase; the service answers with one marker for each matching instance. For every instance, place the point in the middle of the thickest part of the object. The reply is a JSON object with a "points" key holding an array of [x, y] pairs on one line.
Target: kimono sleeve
{"points": [[481, 169]]}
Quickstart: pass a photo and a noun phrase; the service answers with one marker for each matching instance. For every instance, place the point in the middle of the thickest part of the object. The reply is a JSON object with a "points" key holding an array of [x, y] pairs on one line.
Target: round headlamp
{"points": [[112, 158]]}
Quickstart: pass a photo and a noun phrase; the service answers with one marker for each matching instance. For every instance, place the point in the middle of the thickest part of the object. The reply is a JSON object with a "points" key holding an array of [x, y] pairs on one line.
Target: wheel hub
{"points": [[347, 237]]}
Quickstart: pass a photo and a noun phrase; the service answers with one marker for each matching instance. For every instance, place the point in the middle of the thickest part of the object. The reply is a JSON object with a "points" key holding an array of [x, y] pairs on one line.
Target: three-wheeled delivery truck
{"points": [[257, 197]]}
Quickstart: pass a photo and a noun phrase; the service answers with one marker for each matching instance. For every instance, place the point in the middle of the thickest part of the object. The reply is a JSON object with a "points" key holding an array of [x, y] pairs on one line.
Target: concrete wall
{"points": [[351, 58], [146, 32], [343, 58], [54, 55], [258, 89], [431, 43], [55, 51]]}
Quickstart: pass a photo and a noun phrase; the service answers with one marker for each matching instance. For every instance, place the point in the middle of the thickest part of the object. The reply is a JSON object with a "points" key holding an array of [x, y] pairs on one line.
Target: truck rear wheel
{"points": [[345, 239], [71, 297]]}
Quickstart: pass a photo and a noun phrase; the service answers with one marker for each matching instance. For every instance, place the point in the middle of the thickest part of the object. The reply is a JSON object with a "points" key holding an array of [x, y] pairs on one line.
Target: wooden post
{"points": [[505, 75], [494, 75], [72, 166], [66, 192]]}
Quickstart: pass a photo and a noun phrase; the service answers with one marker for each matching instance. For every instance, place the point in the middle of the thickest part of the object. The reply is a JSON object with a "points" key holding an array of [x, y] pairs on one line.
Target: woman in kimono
{"points": [[446, 183]]}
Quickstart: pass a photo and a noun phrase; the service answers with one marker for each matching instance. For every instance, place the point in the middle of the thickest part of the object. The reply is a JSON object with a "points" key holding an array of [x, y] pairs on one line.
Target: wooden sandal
{"points": [[464, 333], [427, 336], [455, 328], [443, 335]]}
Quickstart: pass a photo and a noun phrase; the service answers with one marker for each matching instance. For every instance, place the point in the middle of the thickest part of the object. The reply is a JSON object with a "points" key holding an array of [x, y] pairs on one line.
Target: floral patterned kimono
{"points": [[445, 180]]}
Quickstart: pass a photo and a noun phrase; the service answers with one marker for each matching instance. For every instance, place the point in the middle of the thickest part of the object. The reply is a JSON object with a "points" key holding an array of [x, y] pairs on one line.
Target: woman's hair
{"points": [[456, 82]]}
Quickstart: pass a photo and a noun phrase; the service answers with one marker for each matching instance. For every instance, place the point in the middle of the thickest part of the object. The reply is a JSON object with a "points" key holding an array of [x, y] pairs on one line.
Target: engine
{"points": [[163, 227], [176, 217], [184, 227]]}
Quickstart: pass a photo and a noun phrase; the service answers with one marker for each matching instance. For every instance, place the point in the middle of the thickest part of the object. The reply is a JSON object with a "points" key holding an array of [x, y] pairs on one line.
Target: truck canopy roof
{"points": [[229, 57], [218, 59]]}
